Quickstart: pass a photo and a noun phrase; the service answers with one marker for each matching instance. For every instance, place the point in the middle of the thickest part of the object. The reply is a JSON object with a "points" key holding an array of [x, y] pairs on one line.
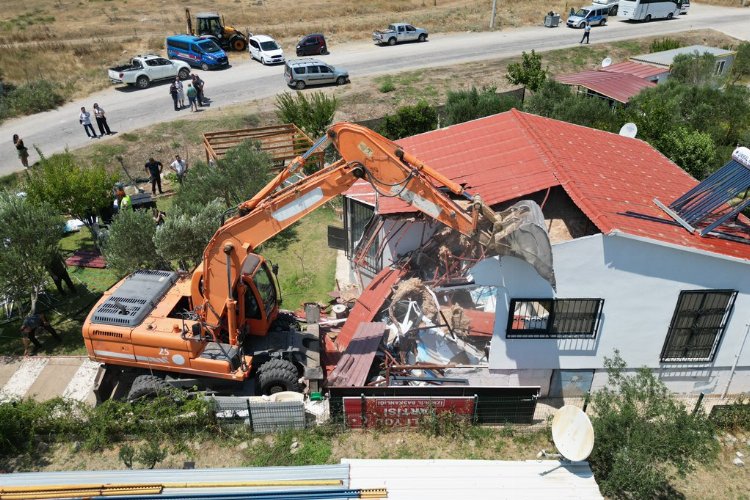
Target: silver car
{"points": [[299, 73]]}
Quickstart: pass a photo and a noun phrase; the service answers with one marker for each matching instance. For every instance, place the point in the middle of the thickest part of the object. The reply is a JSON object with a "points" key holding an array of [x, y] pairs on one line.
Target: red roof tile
{"points": [[640, 70], [609, 177], [618, 86]]}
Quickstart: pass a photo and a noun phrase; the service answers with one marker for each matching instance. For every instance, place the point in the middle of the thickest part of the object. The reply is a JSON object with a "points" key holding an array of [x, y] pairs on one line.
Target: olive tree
{"points": [[29, 237], [129, 243], [528, 72], [186, 232]]}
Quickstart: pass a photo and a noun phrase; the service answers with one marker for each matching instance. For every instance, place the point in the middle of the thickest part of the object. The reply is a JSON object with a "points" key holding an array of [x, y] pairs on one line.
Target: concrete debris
{"points": [[740, 454], [242, 446], [738, 462], [294, 448], [730, 439]]}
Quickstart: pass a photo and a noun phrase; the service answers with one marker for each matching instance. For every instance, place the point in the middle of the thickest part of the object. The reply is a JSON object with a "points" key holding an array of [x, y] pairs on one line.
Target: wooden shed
{"points": [[281, 142]]}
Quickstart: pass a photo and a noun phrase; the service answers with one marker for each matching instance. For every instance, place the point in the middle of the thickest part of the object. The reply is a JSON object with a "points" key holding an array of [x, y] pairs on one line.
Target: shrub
{"points": [[642, 434], [186, 232], [129, 244], [387, 85], [409, 120], [528, 72], [465, 105], [694, 151], [694, 69], [733, 417], [313, 115], [33, 97], [664, 44]]}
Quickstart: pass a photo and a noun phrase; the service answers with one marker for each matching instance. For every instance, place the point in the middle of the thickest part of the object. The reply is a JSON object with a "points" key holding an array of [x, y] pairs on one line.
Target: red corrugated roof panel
{"points": [[640, 70], [618, 86], [611, 178]]}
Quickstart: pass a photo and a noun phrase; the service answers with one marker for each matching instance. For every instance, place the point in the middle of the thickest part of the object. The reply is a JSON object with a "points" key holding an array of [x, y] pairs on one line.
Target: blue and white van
{"points": [[197, 51], [596, 15]]}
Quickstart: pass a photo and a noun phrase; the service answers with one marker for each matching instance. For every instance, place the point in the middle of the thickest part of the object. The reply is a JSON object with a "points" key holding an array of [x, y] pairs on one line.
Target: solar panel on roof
{"points": [[710, 199]]}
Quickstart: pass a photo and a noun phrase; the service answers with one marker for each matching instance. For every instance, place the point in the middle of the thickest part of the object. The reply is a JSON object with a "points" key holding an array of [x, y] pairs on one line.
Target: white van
{"points": [[612, 5], [596, 15]]}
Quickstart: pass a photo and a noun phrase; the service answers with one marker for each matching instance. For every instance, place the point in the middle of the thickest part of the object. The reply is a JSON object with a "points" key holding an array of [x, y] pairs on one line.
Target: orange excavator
{"points": [[156, 329]]}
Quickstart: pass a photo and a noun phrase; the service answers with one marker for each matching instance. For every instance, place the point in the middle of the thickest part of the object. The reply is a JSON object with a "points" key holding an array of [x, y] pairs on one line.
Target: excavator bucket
{"points": [[520, 231]]}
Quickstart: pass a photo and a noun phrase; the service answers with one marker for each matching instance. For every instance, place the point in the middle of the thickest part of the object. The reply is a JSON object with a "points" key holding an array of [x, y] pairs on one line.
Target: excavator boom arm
{"points": [[366, 155]]}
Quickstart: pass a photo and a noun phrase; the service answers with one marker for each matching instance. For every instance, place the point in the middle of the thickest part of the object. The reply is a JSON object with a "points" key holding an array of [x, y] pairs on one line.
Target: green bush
{"points": [[409, 120], [312, 114], [32, 97], [387, 85], [129, 244], [664, 44], [694, 151], [733, 417], [643, 434], [465, 105], [528, 72]]}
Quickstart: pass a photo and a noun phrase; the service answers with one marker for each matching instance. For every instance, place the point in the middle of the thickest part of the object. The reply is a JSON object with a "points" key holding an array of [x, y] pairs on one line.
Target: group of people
{"points": [[194, 93], [101, 121]]}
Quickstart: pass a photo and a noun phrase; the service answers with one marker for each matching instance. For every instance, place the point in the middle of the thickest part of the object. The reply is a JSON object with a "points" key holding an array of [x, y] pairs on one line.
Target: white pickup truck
{"points": [[399, 32], [143, 70]]}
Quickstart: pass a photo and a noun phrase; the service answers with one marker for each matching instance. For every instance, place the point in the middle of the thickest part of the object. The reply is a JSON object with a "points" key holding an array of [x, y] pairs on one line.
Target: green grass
{"points": [[314, 447]]}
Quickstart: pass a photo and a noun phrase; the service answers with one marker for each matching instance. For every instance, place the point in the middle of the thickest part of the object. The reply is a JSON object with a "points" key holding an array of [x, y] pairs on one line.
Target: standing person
{"points": [[101, 120], [180, 92], [23, 153], [59, 273], [179, 166], [586, 33], [198, 84], [85, 119], [29, 328], [175, 96], [154, 169], [192, 95]]}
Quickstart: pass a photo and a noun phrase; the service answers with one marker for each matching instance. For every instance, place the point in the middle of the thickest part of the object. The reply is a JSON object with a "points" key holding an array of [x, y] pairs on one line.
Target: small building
{"points": [[654, 74], [613, 86], [664, 59], [629, 277]]}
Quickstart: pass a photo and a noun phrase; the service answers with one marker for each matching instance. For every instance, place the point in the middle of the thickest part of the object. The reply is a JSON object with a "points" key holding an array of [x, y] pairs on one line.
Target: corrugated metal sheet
{"points": [[618, 86], [611, 178], [475, 479], [665, 57], [646, 71], [355, 363], [339, 472]]}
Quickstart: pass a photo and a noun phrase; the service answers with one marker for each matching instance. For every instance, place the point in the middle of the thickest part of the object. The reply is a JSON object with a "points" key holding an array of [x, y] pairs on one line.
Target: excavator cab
{"points": [[211, 24], [260, 298]]}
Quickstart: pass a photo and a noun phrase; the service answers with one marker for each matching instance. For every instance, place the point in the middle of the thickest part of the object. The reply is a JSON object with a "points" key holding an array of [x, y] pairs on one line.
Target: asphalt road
{"points": [[128, 109]]}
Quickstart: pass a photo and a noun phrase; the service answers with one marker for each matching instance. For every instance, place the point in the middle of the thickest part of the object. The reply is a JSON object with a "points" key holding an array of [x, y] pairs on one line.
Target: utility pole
{"points": [[492, 17]]}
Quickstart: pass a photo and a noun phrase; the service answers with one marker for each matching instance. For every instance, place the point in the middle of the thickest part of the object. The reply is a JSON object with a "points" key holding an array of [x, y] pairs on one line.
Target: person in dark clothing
{"points": [[23, 152], [30, 325], [175, 96], [59, 273], [154, 169], [198, 85]]}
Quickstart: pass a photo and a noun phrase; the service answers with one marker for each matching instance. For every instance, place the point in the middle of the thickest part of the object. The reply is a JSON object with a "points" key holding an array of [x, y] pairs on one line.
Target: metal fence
{"points": [[261, 416]]}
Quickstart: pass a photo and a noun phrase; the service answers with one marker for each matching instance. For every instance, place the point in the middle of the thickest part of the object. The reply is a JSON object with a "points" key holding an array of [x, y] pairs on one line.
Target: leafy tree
{"points": [[663, 44], [242, 172], [741, 64], [187, 231], [129, 244], [655, 111], [694, 151], [29, 238], [465, 105], [694, 69], [555, 100], [409, 120], [69, 188], [643, 434], [312, 114], [528, 72]]}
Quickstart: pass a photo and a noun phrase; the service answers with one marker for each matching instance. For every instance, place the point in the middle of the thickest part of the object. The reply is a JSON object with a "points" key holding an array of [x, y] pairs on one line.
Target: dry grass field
{"points": [[71, 42]]}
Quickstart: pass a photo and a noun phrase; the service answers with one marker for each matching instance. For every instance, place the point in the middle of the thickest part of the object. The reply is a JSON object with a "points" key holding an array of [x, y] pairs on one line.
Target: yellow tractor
{"points": [[210, 24]]}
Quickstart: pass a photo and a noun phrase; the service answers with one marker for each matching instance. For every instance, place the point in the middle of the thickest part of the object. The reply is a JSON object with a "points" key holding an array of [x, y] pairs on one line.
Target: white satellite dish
{"points": [[607, 61], [572, 433], [629, 130]]}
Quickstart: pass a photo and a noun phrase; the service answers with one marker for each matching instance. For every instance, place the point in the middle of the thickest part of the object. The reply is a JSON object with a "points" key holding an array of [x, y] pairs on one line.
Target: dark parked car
{"points": [[312, 45]]}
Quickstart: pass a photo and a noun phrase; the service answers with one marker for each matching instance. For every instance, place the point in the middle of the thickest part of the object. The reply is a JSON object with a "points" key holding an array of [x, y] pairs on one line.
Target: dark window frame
{"points": [[692, 308], [563, 317], [358, 218]]}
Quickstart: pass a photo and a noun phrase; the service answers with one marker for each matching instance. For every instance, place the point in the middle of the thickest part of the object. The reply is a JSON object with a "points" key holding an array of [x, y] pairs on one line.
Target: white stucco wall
{"points": [[640, 283]]}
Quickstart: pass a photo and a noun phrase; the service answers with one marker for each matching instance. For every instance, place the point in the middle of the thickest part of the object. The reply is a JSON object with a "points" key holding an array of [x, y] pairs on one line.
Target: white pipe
{"points": [[736, 360]]}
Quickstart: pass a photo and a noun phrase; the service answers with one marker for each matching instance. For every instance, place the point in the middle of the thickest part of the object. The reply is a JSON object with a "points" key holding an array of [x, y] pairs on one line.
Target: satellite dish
{"points": [[606, 62], [629, 130], [572, 433]]}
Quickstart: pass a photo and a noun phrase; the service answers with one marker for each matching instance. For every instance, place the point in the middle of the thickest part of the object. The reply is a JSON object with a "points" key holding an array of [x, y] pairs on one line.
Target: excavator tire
{"points": [[280, 364], [148, 386], [277, 379]]}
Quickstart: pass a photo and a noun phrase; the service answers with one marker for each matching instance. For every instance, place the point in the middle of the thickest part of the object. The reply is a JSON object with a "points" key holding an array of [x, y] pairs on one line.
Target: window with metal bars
{"points": [[698, 323], [554, 318], [357, 217]]}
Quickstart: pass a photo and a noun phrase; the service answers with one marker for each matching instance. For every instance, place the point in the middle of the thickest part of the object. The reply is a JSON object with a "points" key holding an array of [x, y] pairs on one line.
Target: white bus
{"points": [[646, 10]]}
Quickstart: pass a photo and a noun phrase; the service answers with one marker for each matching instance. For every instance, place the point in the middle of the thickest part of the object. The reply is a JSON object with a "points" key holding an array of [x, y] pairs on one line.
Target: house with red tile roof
{"points": [[629, 277]]}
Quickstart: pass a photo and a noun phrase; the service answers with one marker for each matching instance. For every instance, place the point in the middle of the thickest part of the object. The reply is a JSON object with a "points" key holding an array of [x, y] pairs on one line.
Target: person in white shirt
{"points": [[85, 119], [179, 166], [101, 120], [180, 91]]}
